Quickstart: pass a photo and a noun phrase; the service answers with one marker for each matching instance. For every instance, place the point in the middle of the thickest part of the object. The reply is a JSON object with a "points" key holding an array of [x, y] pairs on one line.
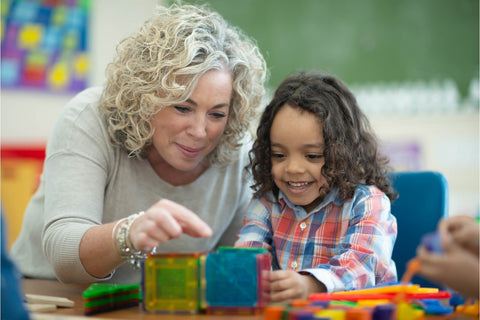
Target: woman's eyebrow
{"points": [[220, 105]]}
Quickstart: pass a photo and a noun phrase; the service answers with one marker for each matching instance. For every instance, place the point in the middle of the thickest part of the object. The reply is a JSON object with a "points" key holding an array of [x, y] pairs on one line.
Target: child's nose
{"points": [[295, 166]]}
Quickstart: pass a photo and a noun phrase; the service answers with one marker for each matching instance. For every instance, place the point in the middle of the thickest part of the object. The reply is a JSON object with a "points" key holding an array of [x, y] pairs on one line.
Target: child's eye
{"points": [[182, 109], [277, 155], [314, 156]]}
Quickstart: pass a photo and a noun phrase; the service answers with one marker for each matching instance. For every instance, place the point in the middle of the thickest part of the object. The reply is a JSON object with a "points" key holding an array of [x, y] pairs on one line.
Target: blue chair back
{"points": [[422, 202]]}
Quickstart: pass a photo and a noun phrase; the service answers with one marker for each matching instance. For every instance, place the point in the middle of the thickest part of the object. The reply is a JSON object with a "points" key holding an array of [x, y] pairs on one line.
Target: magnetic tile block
{"points": [[235, 277], [172, 283], [239, 311], [102, 297]]}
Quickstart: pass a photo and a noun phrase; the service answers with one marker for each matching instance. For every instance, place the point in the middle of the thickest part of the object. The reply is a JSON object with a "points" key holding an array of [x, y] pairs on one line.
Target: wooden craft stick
{"points": [[58, 301], [40, 307]]}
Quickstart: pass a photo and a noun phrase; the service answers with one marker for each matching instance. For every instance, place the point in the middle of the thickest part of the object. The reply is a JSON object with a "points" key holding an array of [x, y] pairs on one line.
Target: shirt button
{"points": [[294, 265], [303, 225]]}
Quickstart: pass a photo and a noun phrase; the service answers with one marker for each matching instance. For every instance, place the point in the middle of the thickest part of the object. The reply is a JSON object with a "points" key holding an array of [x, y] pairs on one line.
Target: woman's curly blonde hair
{"points": [[160, 66]]}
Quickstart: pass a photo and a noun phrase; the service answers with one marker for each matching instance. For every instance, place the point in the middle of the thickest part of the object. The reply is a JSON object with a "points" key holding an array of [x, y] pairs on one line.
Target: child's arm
{"points": [[257, 230], [363, 256]]}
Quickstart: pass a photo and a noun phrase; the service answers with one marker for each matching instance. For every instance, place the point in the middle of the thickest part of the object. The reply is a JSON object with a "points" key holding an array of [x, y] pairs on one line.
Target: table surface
{"points": [[74, 292]]}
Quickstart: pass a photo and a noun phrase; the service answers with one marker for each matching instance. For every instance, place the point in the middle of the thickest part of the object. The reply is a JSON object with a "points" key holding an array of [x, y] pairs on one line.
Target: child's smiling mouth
{"points": [[298, 186]]}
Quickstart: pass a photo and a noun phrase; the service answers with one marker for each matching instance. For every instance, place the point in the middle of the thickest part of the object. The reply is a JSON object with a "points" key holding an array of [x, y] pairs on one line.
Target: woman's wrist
{"points": [[122, 243]]}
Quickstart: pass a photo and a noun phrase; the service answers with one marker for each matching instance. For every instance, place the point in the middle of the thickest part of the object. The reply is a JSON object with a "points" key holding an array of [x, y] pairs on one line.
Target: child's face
{"points": [[297, 145]]}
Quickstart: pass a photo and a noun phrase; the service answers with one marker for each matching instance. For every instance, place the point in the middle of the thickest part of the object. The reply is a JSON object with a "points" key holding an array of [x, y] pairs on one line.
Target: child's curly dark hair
{"points": [[351, 149]]}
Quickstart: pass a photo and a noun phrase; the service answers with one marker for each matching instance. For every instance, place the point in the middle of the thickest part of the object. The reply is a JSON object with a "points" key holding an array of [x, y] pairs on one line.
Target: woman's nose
{"points": [[197, 127]]}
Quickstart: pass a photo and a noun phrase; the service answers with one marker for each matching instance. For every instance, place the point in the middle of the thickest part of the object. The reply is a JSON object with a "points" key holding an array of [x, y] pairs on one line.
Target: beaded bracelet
{"points": [[127, 251]]}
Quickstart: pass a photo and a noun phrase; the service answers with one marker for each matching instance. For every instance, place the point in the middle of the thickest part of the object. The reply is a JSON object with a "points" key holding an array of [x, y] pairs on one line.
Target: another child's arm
{"points": [[462, 230], [457, 267]]}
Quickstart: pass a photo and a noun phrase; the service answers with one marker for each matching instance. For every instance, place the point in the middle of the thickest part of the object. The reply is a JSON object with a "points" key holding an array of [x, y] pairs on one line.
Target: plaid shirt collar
{"points": [[332, 196]]}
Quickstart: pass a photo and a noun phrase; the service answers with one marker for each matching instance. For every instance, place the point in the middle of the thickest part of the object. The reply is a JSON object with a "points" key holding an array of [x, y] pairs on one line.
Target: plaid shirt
{"points": [[344, 244]]}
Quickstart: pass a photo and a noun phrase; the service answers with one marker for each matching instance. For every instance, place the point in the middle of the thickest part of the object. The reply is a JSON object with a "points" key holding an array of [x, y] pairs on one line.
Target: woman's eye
{"points": [[182, 109], [218, 115]]}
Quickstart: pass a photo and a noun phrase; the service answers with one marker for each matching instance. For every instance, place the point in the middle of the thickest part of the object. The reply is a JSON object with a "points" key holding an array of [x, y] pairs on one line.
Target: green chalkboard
{"points": [[363, 41]]}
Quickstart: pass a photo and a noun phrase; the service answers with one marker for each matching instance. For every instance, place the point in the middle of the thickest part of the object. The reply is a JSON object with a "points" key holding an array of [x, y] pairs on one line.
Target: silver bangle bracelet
{"points": [[127, 251]]}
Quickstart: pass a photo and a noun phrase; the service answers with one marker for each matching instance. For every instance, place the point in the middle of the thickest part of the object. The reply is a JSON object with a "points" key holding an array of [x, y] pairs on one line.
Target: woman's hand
{"points": [[163, 221], [287, 285]]}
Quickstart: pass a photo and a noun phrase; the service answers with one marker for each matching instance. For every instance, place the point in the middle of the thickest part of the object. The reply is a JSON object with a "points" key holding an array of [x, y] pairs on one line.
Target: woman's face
{"points": [[297, 146], [185, 133]]}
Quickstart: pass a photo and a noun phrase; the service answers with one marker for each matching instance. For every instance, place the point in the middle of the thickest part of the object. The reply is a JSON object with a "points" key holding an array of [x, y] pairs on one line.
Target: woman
{"points": [[165, 137]]}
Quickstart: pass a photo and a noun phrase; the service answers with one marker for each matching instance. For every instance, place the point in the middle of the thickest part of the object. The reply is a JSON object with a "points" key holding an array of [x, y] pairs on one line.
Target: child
{"points": [[322, 198], [457, 266]]}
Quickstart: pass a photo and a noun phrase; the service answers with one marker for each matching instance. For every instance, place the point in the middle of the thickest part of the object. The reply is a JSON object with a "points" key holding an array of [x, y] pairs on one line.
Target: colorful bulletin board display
{"points": [[44, 44]]}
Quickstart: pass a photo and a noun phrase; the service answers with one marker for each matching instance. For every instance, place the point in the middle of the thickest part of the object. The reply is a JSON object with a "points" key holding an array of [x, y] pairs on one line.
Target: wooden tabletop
{"points": [[74, 292]]}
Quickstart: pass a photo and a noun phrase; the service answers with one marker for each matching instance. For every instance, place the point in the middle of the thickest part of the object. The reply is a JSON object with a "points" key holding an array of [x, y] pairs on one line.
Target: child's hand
{"points": [[461, 230], [286, 285], [457, 268]]}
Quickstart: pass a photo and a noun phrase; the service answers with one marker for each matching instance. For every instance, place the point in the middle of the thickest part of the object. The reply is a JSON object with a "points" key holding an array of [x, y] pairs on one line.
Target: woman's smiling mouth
{"points": [[189, 152]]}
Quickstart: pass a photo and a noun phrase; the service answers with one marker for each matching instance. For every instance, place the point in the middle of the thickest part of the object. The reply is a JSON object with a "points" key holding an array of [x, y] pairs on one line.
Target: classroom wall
{"points": [[363, 41], [449, 140]]}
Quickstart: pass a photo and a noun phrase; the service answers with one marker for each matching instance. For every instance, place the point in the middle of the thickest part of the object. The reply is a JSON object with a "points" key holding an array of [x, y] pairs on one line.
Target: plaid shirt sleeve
{"points": [[257, 227], [362, 257]]}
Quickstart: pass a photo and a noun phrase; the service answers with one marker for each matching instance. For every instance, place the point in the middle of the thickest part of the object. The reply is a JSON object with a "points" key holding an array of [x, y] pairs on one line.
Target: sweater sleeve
{"points": [[75, 176]]}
